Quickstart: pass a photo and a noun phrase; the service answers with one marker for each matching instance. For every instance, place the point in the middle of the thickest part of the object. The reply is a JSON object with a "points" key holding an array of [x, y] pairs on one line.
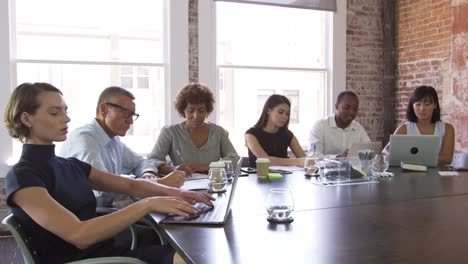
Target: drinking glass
{"points": [[379, 164], [311, 168], [217, 180], [279, 205], [229, 169]]}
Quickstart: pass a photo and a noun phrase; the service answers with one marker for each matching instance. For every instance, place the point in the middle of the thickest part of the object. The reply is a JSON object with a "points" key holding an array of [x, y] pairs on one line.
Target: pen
{"points": [[180, 156], [181, 159]]}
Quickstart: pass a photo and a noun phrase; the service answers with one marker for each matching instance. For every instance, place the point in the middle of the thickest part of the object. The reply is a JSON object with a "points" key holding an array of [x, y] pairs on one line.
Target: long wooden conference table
{"points": [[409, 218]]}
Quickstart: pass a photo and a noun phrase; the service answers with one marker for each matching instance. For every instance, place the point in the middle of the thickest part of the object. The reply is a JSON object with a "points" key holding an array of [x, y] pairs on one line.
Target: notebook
{"points": [[421, 150], [356, 147], [210, 216]]}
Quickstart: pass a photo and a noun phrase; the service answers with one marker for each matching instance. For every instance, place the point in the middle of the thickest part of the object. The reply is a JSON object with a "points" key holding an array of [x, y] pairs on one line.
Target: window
{"points": [[284, 52], [84, 46]]}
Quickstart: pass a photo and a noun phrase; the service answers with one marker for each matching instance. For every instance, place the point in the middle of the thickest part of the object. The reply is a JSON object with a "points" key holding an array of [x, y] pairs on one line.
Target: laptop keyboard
{"points": [[207, 213]]}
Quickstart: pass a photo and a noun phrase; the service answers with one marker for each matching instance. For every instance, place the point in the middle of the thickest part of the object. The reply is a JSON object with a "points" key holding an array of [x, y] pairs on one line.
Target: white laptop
{"points": [[356, 147], [211, 216], [421, 150]]}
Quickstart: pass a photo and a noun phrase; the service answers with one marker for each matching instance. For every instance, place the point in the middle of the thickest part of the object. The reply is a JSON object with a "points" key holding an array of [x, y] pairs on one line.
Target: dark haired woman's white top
{"points": [[412, 129], [176, 142]]}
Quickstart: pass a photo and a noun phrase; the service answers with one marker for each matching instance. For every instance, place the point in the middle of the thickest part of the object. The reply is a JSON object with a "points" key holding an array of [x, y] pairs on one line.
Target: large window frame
{"points": [[175, 64], [336, 57]]}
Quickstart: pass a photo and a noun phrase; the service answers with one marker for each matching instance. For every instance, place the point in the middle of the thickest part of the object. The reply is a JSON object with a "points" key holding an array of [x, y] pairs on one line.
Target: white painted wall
{"points": [[177, 75], [6, 82], [338, 58]]}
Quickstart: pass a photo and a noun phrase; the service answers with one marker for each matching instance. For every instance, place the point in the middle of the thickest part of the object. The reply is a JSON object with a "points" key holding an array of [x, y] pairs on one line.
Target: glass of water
{"points": [[279, 205], [217, 180], [229, 169], [310, 167], [379, 164]]}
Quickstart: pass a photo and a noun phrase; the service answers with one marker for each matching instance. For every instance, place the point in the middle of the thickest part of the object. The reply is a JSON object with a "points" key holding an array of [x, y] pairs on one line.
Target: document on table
{"points": [[197, 176], [448, 173], [194, 185]]}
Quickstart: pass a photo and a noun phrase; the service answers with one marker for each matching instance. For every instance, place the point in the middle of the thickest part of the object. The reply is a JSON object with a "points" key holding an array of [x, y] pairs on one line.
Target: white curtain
{"points": [[326, 5]]}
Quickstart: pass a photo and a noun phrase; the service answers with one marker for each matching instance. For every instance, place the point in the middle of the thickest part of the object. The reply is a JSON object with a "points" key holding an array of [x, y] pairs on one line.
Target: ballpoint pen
{"points": [[182, 159]]}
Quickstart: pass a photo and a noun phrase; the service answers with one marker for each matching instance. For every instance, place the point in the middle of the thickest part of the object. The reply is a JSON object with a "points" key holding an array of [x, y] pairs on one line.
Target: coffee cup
{"points": [[263, 167]]}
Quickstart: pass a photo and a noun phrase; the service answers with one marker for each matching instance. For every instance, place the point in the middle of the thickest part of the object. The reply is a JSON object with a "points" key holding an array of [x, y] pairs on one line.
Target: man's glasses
{"points": [[127, 113]]}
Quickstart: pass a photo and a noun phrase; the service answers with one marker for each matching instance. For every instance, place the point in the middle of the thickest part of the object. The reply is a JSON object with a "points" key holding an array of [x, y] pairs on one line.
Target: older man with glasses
{"points": [[99, 144]]}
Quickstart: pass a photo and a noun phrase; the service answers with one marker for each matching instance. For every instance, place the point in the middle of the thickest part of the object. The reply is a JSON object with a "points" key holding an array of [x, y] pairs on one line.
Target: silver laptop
{"points": [[356, 147], [421, 150], [211, 216]]}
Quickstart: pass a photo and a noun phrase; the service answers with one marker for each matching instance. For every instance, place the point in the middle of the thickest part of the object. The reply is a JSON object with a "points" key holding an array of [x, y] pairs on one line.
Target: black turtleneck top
{"points": [[66, 180]]}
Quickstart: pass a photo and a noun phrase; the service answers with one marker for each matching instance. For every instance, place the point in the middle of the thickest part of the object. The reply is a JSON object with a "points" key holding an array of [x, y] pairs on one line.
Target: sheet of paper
{"points": [[448, 173], [196, 176], [200, 184]]}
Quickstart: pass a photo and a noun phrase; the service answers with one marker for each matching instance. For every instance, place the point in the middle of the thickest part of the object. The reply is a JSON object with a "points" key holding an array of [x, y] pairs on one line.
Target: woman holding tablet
{"points": [[270, 137], [423, 114]]}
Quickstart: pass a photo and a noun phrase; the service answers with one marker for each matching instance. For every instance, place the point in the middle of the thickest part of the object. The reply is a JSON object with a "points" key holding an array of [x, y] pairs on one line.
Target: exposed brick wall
{"points": [[431, 42], [364, 62], [456, 103], [193, 40]]}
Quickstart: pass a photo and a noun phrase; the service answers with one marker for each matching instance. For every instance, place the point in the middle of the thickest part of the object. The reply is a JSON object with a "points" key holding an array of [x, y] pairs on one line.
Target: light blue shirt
{"points": [[91, 144]]}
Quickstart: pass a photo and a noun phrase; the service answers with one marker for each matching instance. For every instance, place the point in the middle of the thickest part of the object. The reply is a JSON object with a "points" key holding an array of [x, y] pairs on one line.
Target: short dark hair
{"points": [[272, 102], [423, 93], [343, 94], [194, 93], [24, 99], [111, 92]]}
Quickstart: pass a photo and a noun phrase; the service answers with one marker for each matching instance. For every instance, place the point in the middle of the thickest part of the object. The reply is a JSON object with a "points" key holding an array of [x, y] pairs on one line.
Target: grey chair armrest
{"points": [[30, 255], [109, 260], [143, 221]]}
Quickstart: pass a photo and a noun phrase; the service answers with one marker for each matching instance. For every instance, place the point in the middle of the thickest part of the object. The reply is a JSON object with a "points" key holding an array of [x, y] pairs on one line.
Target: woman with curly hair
{"points": [[193, 144]]}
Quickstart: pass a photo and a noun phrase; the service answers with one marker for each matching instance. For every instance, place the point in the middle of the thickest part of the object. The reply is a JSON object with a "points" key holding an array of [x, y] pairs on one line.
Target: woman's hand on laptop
{"points": [[170, 205], [196, 197]]}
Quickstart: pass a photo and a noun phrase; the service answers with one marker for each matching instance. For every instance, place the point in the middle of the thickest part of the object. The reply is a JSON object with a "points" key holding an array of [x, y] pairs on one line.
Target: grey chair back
{"points": [[460, 160], [30, 256], [22, 239]]}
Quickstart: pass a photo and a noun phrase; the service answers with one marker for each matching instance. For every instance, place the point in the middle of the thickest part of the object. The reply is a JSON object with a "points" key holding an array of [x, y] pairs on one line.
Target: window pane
{"points": [[81, 86], [284, 37], [87, 30], [244, 90]]}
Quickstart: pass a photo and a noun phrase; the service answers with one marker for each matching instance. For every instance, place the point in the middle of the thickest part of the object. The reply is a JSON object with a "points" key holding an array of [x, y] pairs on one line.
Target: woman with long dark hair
{"points": [[270, 137], [423, 115]]}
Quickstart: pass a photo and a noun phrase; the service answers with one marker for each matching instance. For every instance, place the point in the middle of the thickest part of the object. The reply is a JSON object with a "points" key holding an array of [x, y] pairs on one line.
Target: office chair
{"points": [[460, 161], [30, 256]]}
